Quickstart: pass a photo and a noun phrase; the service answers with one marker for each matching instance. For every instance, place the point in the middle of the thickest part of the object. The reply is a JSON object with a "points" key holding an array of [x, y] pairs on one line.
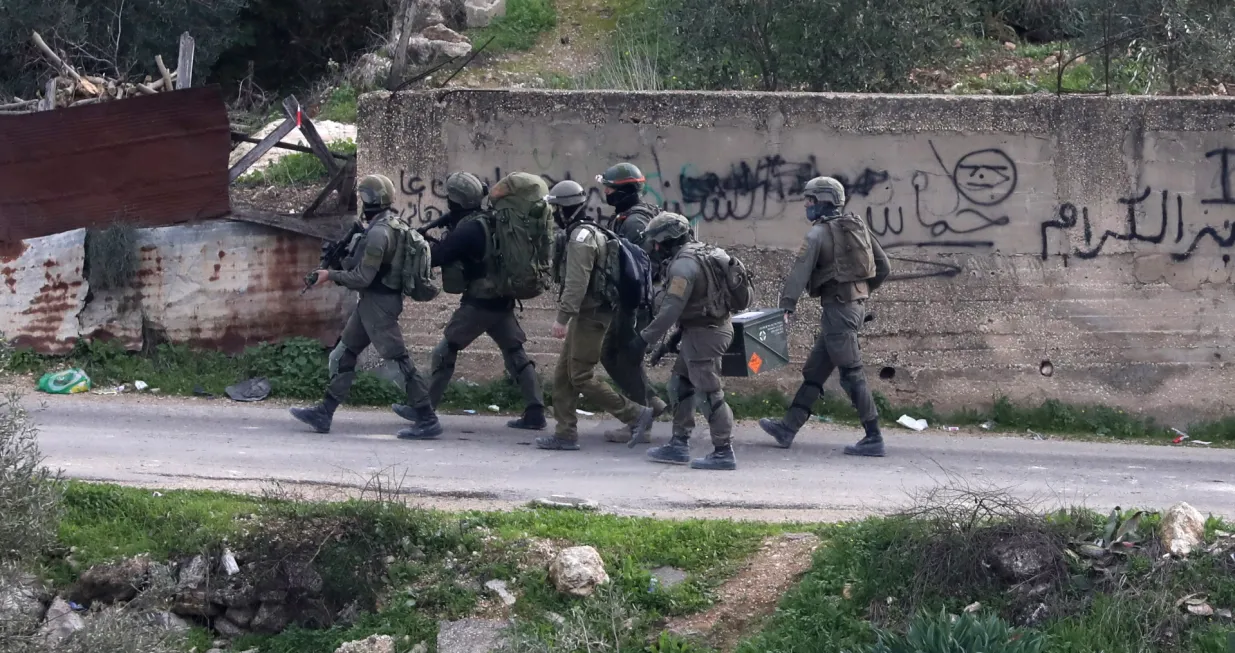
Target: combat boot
{"points": [[721, 458], [427, 426], [871, 445], [555, 443], [641, 428], [406, 412], [777, 429], [320, 416], [533, 419], [677, 452], [623, 432]]}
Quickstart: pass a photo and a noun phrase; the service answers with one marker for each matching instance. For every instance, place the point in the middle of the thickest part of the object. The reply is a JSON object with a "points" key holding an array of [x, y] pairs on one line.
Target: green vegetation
{"points": [[298, 168], [519, 28], [297, 369], [340, 106]]}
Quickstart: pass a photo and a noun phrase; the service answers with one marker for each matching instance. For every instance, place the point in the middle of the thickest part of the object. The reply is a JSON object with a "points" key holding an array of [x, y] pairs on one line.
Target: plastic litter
{"points": [[950, 428], [824, 418], [68, 382], [229, 563], [985, 426], [584, 412], [494, 407], [251, 390], [1180, 436], [911, 423], [140, 385], [469, 411]]}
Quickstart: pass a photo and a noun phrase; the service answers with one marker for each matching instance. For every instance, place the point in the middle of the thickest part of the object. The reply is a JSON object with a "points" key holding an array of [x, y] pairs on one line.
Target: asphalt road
{"points": [[478, 462]]}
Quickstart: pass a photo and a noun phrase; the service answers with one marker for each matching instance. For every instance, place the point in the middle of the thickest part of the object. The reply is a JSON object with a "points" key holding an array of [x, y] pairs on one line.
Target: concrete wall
{"points": [[1090, 233]]}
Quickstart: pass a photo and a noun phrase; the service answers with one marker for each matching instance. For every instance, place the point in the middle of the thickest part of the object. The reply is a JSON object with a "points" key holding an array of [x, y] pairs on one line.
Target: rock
{"points": [[61, 622], [270, 619], [440, 32], [240, 616], [668, 577], [272, 596], [348, 615], [194, 603], [226, 628], [447, 49], [499, 587], [419, 50], [1182, 529], [1021, 559], [169, 622], [470, 635], [578, 571], [479, 13], [421, 647], [21, 608], [241, 595], [193, 574], [374, 644], [109, 583], [370, 71], [563, 501], [301, 576]]}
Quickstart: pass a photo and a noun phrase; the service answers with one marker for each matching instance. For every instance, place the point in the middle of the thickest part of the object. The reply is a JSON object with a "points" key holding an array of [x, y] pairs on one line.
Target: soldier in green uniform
{"points": [[689, 303], [841, 262], [462, 255], [368, 269], [624, 185], [585, 313]]}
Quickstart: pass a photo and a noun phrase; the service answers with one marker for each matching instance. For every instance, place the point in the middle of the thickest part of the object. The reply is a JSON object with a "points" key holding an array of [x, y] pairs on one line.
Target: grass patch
{"points": [[340, 106], [296, 168], [297, 369], [520, 28]]}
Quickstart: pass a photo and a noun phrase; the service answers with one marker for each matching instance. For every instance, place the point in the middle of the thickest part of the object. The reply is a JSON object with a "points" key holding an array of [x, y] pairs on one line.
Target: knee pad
{"points": [[347, 361], [684, 389], [714, 402]]}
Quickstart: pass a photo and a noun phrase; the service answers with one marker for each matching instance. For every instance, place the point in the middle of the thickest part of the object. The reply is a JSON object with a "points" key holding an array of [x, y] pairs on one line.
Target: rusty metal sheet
{"points": [[41, 292], [149, 161], [220, 285]]}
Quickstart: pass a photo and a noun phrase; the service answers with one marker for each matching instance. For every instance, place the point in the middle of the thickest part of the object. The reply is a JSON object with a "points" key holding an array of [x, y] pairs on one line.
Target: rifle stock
{"points": [[332, 255]]}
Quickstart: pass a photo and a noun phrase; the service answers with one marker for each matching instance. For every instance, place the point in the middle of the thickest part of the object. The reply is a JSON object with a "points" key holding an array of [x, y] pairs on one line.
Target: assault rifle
{"points": [[445, 219], [332, 254], [669, 345]]}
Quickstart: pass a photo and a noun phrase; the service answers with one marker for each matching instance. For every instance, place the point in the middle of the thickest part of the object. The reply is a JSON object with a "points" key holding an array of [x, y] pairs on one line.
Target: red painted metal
{"points": [[147, 161]]}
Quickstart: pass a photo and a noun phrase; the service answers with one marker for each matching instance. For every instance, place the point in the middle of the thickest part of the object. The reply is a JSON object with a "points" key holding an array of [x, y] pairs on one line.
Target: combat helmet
{"points": [[566, 193], [376, 191], [625, 182], [825, 189], [666, 227], [465, 189]]}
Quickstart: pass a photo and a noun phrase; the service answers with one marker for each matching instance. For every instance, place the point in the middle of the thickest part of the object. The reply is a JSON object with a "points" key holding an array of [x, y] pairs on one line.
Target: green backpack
{"points": [[731, 287], [520, 256], [853, 256], [412, 268]]}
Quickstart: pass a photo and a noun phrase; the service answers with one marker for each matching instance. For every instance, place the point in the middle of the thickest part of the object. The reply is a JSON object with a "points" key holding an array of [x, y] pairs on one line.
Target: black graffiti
{"points": [[1157, 232], [865, 183], [985, 178], [887, 227], [745, 190], [1225, 182]]}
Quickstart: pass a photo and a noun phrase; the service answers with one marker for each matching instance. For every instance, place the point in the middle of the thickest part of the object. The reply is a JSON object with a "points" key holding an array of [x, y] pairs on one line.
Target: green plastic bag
{"points": [[68, 382]]}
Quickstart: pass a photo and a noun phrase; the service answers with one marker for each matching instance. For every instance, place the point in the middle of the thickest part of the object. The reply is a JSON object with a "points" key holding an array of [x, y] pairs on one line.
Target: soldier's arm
{"points": [[361, 276], [882, 267], [799, 276], [580, 258], [463, 242], [682, 275]]}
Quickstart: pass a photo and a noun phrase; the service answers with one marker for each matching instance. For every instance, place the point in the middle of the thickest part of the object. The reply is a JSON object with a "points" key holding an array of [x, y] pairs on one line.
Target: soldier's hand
{"points": [[322, 276], [787, 314], [559, 330]]}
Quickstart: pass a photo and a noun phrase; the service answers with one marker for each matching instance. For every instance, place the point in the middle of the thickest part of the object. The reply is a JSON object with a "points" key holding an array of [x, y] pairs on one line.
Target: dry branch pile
{"points": [[70, 88]]}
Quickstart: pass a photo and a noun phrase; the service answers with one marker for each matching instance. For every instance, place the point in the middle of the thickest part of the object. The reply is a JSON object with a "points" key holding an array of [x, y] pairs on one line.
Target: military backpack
{"points": [[731, 288], [626, 273], [853, 256], [412, 267], [519, 258]]}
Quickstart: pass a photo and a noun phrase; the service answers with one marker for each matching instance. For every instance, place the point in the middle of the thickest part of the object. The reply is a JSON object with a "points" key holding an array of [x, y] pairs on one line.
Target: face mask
{"points": [[371, 212]]}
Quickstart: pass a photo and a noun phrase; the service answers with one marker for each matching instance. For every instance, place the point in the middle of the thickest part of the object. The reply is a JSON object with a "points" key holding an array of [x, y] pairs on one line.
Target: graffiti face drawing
{"points": [[985, 177]]}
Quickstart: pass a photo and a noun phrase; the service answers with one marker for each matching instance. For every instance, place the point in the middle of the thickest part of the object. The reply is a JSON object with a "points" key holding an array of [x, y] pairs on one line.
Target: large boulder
{"points": [[1182, 529], [578, 571], [370, 71], [21, 604], [112, 582], [482, 12]]}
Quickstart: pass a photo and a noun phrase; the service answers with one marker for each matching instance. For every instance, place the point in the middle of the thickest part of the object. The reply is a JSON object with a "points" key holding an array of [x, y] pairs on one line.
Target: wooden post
{"points": [[260, 149], [184, 69], [406, 22], [292, 109]]}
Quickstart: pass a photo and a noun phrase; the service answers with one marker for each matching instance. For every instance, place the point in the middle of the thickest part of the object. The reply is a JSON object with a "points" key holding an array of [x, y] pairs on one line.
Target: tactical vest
{"points": [[643, 209], [696, 309], [850, 256], [389, 276]]}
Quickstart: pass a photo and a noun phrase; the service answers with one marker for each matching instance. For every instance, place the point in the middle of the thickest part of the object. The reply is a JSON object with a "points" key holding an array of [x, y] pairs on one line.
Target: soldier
{"points": [[624, 184], [584, 315], [689, 302], [461, 255], [841, 262], [368, 269]]}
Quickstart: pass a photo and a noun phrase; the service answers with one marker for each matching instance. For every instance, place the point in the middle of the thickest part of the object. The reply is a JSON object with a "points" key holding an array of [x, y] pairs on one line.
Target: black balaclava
{"points": [[623, 197], [822, 211], [564, 215]]}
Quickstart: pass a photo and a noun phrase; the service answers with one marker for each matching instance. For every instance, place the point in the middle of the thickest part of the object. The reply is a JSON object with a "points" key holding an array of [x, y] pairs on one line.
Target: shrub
{"points": [[942, 633]]}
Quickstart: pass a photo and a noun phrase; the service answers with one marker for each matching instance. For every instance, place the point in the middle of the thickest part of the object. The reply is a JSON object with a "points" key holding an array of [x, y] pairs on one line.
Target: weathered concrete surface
{"points": [[217, 284], [217, 444], [1093, 233]]}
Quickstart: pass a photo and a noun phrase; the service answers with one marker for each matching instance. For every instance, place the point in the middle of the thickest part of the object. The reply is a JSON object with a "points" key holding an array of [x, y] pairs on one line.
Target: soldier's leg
{"points": [[677, 450], [353, 341], [510, 339], [627, 370], [565, 395], [846, 320], [703, 349], [586, 344], [464, 327], [815, 373], [380, 316]]}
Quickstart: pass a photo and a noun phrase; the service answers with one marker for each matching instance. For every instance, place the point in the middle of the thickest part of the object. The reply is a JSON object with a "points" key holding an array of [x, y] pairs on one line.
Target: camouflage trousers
{"points": [[576, 374], [467, 324], [835, 348], [697, 380], [375, 321]]}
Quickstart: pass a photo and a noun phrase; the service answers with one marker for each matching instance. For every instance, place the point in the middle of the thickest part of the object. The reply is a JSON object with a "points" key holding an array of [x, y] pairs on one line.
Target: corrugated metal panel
{"points": [[149, 161], [221, 285], [42, 291]]}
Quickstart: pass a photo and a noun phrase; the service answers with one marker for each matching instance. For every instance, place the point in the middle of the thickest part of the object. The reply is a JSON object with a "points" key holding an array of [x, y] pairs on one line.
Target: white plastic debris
{"points": [[494, 407], [229, 563], [911, 423], [584, 412], [140, 385]]}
